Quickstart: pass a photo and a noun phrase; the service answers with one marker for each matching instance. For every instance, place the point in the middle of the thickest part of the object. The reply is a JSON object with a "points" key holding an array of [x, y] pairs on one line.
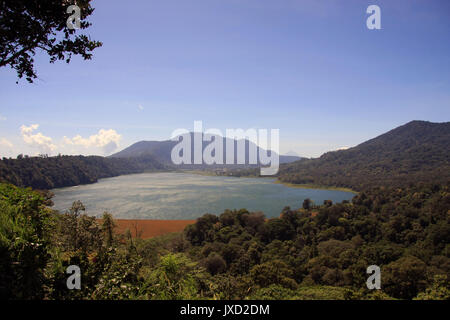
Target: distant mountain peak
{"points": [[161, 150]]}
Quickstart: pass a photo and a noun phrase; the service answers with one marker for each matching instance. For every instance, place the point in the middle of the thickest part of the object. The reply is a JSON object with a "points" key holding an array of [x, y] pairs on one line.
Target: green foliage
{"points": [[277, 292], [273, 292], [76, 231], [321, 293], [119, 278], [440, 289], [201, 231], [307, 203], [63, 171], [23, 242], [274, 272], [405, 277], [277, 229], [365, 294], [108, 226], [173, 279], [215, 264]]}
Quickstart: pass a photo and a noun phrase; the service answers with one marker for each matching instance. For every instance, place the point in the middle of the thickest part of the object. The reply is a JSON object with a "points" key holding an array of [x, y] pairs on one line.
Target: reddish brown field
{"points": [[151, 228]]}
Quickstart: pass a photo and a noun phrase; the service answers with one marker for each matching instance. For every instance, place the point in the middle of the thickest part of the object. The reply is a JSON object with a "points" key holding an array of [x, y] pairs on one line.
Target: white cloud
{"points": [[67, 141], [42, 143], [5, 143], [108, 140], [140, 107], [2, 118], [27, 130]]}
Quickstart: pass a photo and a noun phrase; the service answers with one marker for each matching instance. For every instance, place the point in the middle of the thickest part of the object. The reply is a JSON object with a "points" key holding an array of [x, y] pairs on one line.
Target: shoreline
{"points": [[276, 180], [212, 174], [313, 186]]}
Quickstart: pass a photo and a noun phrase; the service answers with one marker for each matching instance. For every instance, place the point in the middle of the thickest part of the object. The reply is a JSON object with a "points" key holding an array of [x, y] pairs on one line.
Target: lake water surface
{"points": [[187, 196]]}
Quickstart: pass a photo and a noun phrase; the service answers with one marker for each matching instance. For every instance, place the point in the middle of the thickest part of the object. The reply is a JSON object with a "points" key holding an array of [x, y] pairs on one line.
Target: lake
{"points": [[174, 196]]}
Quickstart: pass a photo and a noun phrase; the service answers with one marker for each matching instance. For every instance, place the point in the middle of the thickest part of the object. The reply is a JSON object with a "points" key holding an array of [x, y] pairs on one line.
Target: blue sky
{"points": [[310, 68]]}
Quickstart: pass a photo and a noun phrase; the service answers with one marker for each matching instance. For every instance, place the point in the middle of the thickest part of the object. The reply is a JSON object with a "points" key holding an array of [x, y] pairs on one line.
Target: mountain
{"points": [[161, 151], [418, 151], [292, 153]]}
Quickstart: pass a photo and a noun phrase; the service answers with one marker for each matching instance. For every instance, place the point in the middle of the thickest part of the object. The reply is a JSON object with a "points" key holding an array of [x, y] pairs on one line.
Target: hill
{"points": [[415, 152], [65, 171], [161, 150]]}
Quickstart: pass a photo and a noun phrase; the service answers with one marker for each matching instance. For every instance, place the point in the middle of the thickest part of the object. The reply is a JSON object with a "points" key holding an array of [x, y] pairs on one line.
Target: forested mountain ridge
{"points": [[415, 152], [65, 171]]}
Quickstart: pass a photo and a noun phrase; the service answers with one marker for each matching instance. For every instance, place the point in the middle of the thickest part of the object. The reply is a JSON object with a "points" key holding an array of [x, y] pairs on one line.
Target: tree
{"points": [[215, 264], [273, 272], [78, 231], [174, 279], [108, 226], [201, 231], [277, 229], [30, 25], [307, 203], [24, 242], [404, 278], [327, 203], [440, 290]]}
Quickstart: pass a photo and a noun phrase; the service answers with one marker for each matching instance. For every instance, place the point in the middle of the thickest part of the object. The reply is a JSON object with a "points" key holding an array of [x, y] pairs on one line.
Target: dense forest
{"points": [[314, 252], [416, 151], [63, 171]]}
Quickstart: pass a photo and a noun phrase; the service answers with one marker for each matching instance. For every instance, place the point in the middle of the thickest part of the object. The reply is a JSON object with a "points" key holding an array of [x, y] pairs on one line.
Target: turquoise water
{"points": [[187, 196]]}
